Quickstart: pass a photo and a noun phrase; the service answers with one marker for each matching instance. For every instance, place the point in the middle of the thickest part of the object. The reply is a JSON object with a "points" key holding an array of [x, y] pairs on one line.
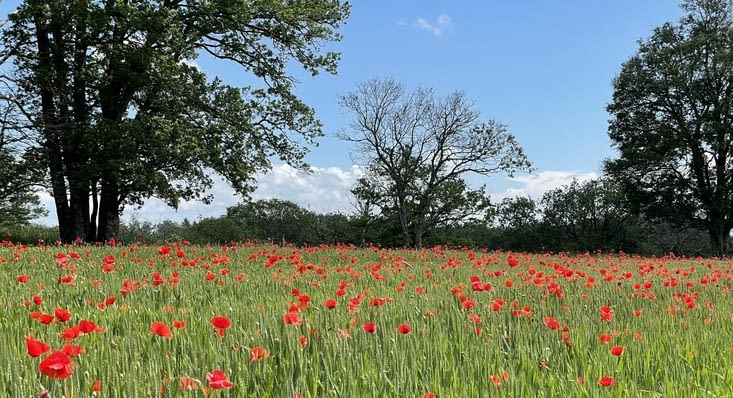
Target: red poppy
{"points": [[57, 365], [72, 350], [218, 380], [86, 326], [96, 387], [428, 395], [179, 324], [617, 350], [551, 323], [292, 318], [606, 314], [161, 329], [512, 261], [35, 347], [330, 304], [369, 327], [605, 381], [61, 314], [257, 354], [22, 279], [604, 338], [220, 324], [37, 300], [496, 380], [404, 328]]}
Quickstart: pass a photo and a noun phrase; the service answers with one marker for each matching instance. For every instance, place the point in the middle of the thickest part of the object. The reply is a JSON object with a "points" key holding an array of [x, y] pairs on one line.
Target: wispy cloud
{"points": [[535, 185], [437, 27]]}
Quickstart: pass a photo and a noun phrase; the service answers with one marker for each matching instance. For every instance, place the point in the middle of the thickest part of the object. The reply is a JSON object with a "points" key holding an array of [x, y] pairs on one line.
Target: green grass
{"points": [[682, 355]]}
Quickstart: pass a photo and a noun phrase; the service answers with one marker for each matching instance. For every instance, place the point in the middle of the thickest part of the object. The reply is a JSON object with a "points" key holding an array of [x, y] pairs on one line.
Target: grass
{"points": [[677, 344]]}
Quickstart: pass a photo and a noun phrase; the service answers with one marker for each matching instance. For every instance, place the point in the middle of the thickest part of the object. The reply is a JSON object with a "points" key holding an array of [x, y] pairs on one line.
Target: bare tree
{"points": [[423, 146]]}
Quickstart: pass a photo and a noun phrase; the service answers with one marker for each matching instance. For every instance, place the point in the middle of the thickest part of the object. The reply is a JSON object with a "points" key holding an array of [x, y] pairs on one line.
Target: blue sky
{"points": [[544, 68]]}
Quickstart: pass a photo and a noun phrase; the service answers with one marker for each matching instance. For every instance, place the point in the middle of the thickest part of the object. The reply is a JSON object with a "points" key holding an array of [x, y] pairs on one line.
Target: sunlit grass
{"points": [[672, 316]]}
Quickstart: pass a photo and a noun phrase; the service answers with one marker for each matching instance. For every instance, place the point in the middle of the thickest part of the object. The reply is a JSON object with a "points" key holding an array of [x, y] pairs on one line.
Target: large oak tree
{"points": [[672, 122], [120, 112]]}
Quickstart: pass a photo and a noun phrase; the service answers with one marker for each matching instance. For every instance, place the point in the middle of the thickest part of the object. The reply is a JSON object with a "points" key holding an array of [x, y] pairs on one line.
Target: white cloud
{"points": [[323, 190], [438, 27], [535, 185]]}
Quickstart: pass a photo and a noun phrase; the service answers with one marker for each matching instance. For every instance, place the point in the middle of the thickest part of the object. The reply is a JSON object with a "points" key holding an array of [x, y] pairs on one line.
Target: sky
{"points": [[543, 68]]}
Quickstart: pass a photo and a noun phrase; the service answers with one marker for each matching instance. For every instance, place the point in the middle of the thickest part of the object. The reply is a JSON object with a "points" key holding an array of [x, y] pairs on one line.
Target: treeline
{"points": [[579, 217]]}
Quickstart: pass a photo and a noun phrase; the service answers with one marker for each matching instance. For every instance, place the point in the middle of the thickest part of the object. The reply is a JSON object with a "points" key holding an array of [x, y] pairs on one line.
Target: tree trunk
{"points": [[402, 212], [109, 211], [719, 236]]}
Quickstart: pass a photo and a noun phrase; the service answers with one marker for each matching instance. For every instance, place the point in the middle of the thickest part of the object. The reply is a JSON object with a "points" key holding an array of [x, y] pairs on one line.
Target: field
{"points": [[273, 321]]}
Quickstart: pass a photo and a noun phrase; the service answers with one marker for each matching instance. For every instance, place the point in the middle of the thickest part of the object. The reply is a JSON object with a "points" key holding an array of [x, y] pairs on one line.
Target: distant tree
{"points": [[419, 149], [589, 215], [19, 203], [517, 213], [276, 220], [120, 112], [671, 118]]}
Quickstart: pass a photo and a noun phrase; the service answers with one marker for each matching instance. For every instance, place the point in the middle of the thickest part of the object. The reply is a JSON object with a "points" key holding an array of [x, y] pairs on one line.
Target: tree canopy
{"points": [[671, 118], [115, 109]]}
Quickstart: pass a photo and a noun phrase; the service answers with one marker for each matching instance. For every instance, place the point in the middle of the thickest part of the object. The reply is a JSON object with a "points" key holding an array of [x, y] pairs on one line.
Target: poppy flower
{"points": [[179, 324], [330, 304], [292, 318], [369, 327], [617, 350], [96, 387], [22, 279], [604, 338], [86, 326], [220, 324], [35, 347], [512, 261], [161, 329], [37, 300], [218, 380], [404, 328], [257, 354], [551, 323], [61, 314], [606, 314], [605, 381], [57, 365], [188, 384], [72, 350]]}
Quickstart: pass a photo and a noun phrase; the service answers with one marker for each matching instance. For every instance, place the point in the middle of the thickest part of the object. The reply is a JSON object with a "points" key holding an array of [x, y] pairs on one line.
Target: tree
{"points": [[671, 118], [419, 148], [589, 215], [121, 112], [19, 203], [276, 220]]}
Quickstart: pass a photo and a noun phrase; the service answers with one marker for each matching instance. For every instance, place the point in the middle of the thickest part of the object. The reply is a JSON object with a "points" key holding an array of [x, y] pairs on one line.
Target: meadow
{"points": [[248, 320]]}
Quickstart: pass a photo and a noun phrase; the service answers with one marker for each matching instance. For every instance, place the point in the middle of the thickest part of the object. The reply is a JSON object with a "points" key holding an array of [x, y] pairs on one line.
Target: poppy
{"points": [[37, 300], [257, 354], [57, 365], [292, 318], [35, 347], [161, 329], [512, 261], [218, 380], [61, 314], [96, 387], [606, 314], [551, 323], [22, 279], [220, 324], [369, 327], [404, 328], [86, 326], [179, 324], [617, 350], [330, 304], [605, 381], [72, 350], [604, 338]]}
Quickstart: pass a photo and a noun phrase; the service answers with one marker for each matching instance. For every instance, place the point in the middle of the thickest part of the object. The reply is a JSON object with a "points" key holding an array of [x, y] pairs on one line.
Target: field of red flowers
{"points": [[273, 321]]}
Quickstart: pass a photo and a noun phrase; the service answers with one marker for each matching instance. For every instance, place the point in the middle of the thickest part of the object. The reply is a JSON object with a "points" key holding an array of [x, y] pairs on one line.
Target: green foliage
{"points": [[120, 111], [671, 113], [19, 204]]}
